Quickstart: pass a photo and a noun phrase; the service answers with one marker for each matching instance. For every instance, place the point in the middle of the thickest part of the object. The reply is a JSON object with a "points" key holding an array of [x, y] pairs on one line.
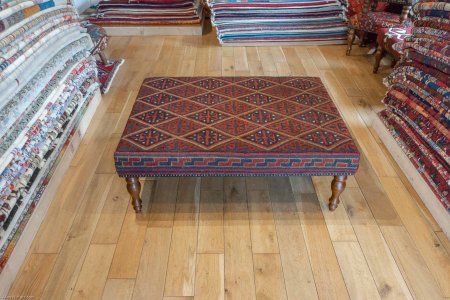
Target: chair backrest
{"points": [[406, 6]]}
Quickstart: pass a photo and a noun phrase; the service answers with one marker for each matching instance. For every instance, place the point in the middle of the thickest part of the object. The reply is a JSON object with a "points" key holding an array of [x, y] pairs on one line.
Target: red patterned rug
{"points": [[106, 73], [241, 126]]}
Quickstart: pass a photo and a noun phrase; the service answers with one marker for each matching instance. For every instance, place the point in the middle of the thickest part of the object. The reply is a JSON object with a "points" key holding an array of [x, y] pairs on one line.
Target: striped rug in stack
{"points": [[311, 22], [147, 12], [47, 80], [418, 99]]}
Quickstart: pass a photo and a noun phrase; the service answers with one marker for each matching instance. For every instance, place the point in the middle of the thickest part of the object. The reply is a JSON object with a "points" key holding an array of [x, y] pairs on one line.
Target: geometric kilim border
{"points": [[134, 165]]}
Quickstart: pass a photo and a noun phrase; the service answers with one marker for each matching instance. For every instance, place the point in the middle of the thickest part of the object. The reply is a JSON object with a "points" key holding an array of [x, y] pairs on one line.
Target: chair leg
{"points": [[393, 63], [350, 40], [378, 56], [103, 57], [362, 42]]}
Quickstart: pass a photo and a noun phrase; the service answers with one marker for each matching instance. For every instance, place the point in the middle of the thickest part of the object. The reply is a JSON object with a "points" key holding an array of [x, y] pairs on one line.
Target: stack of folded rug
{"points": [[47, 79], [418, 100], [294, 21], [147, 12]]}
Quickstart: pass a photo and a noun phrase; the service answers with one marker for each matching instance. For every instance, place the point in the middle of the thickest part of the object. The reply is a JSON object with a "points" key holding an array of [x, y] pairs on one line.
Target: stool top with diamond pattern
{"points": [[235, 126]]}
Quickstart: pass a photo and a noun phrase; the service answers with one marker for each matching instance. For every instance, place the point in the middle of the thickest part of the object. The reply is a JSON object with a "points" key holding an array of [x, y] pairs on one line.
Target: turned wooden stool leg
{"points": [[134, 188], [350, 40], [337, 187]]}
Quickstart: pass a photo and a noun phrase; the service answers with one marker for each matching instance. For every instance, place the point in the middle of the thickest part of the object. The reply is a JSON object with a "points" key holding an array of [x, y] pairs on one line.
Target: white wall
{"points": [[82, 5]]}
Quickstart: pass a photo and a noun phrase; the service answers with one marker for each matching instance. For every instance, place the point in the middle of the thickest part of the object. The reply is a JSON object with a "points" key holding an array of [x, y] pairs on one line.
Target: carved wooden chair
{"points": [[370, 21]]}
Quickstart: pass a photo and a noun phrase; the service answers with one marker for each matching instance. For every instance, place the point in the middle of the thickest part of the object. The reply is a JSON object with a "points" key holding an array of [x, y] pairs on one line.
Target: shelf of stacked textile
{"points": [[307, 22], [149, 17], [417, 103], [48, 79]]}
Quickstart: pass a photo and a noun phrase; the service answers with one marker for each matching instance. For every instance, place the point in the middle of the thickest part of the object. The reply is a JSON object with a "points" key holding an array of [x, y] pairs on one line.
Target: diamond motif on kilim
{"points": [[233, 91], [146, 91], [187, 79], [209, 98], [139, 107], [148, 137], [299, 146], [179, 126], [265, 138], [159, 99], [154, 116], [261, 116], [234, 107], [338, 126], [235, 146], [291, 127], [258, 99], [315, 117], [308, 99], [183, 107], [134, 126], [302, 84], [210, 83], [328, 109], [286, 107], [186, 91], [256, 84], [163, 83], [207, 137], [281, 91], [320, 91], [235, 127], [208, 116], [324, 138]]}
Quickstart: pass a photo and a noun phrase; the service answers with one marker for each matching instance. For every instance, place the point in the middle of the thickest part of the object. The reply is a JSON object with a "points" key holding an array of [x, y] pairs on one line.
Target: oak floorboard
{"points": [[180, 276], [415, 271], [385, 272], [210, 228], [151, 276], [118, 289], [338, 224], [73, 251], [395, 247], [269, 279], [113, 213], [356, 272], [94, 272], [327, 274], [239, 276], [296, 264], [210, 277], [33, 276], [436, 258], [125, 263], [445, 242], [262, 225]]}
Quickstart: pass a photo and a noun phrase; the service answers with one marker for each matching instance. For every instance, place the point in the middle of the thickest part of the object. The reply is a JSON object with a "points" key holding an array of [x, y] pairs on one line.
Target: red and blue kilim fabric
{"points": [[235, 126]]}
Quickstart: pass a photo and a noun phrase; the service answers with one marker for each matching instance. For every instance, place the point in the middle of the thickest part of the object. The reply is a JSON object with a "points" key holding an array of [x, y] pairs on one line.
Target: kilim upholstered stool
{"points": [[235, 126]]}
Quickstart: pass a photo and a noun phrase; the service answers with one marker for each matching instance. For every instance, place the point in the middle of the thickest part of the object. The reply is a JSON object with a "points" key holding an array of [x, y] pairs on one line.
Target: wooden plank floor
{"points": [[231, 238]]}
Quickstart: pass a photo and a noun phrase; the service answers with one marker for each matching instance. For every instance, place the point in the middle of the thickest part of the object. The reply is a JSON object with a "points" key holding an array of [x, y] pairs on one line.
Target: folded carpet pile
{"points": [[47, 80], [301, 21], [147, 12], [418, 100], [107, 72]]}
